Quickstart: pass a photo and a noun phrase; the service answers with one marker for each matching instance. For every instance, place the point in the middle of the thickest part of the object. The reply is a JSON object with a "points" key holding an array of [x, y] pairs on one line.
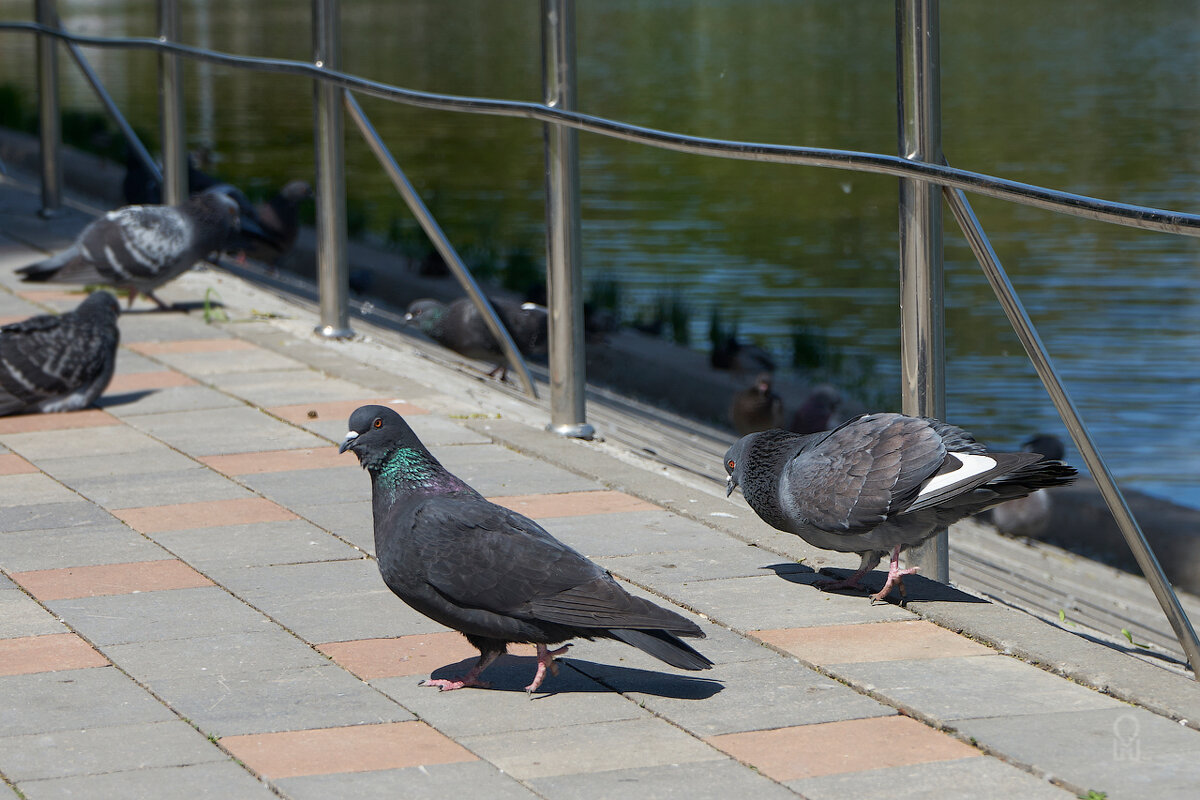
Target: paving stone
{"points": [[34, 488], [20, 615], [573, 504], [130, 362], [493, 470], [219, 654], [70, 420], [1124, 751], [109, 579], [49, 516], [224, 430], [154, 457], [755, 695], [110, 543], [212, 513], [155, 328], [633, 532], [281, 461], [306, 486], [170, 400], [350, 521], [949, 689], [668, 782], [192, 485], [215, 781], [266, 388], [283, 700], [598, 747], [965, 779], [59, 651], [732, 559], [218, 550], [93, 751], [54, 701], [777, 602], [13, 464], [154, 616], [126, 383], [876, 641], [107, 441], [250, 359], [427, 782]]}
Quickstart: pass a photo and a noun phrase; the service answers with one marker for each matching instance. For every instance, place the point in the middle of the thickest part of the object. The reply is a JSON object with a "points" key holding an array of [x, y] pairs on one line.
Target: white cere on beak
{"points": [[350, 436]]}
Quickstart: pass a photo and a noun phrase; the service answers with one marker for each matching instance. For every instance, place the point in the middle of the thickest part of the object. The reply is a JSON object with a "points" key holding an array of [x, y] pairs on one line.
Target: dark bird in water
{"points": [[59, 363], [1029, 516], [460, 327], [140, 248], [757, 407], [269, 229], [488, 572], [879, 483], [731, 354], [816, 412]]}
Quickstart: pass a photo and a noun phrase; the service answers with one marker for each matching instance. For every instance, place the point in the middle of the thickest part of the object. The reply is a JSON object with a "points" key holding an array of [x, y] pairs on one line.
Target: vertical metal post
{"points": [[564, 267], [922, 351], [49, 126], [333, 275], [170, 104]]}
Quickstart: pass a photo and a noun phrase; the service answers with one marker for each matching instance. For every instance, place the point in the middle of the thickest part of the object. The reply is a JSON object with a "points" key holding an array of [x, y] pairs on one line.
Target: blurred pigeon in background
{"points": [[1029, 516], [140, 248], [460, 327], [757, 407], [141, 188], [488, 572], [731, 354], [878, 483], [815, 414], [269, 230], [59, 362]]}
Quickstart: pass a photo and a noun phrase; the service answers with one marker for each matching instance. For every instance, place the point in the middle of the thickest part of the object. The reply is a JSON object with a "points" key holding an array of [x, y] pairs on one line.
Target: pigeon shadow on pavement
{"points": [[916, 587], [123, 398], [512, 673]]}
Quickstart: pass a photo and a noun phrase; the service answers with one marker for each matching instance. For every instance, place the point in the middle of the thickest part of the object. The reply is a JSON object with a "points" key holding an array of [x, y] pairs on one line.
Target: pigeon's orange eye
{"points": [[730, 464], [378, 422]]}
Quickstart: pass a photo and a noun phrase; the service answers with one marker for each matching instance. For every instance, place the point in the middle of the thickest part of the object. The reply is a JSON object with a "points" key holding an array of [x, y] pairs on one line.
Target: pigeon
{"points": [[1029, 516], [54, 363], [269, 229], [878, 483], [756, 408], [816, 412], [139, 248], [460, 327], [140, 187], [488, 572]]}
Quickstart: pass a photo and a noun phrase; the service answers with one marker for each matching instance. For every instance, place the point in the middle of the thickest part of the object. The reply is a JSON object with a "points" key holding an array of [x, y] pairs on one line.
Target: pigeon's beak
{"points": [[349, 441], [730, 485]]}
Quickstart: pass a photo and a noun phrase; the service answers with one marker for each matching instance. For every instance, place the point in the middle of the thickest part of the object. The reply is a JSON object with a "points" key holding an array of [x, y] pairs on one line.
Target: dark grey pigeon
{"points": [[140, 248], [488, 572], [59, 363], [757, 407], [878, 483], [816, 412], [460, 327], [269, 230]]}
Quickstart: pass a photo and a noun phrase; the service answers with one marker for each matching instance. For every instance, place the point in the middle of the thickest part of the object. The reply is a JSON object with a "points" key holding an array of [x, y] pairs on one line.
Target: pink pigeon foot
{"points": [[545, 661], [470, 679], [829, 584], [895, 577]]}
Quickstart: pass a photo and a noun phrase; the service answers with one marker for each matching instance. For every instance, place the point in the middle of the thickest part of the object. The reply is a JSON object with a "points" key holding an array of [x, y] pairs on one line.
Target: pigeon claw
{"points": [[545, 660], [450, 685]]}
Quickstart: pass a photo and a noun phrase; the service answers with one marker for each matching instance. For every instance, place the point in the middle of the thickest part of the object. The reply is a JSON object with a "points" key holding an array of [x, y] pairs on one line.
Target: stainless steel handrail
{"points": [[170, 105], [1078, 205], [49, 123], [438, 237]]}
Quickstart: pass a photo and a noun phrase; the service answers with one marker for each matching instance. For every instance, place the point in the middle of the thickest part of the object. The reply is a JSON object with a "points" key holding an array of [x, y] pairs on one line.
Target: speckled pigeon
{"points": [[491, 573], [59, 363], [878, 483], [140, 248], [460, 327]]}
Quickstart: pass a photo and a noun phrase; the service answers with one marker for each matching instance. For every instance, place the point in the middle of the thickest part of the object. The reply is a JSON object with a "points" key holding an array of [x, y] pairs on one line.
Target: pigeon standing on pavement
{"points": [[140, 248], [59, 363], [488, 572], [757, 407], [460, 327], [1029, 516], [878, 483]]}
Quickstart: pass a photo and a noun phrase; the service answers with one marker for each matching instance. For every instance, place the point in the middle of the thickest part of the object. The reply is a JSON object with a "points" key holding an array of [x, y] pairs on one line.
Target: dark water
{"points": [[1098, 98]]}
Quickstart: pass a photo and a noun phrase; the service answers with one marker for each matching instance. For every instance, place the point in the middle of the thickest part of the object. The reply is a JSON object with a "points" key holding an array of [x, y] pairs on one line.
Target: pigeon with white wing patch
{"points": [[879, 483]]}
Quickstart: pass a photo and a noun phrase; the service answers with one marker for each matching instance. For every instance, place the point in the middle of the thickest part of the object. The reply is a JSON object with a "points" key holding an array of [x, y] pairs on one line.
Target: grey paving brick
{"points": [[569, 698], [1124, 751], [304, 487], [154, 457], [434, 430], [192, 485], [168, 400], [961, 779], [92, 751], [215, 551], [52, 515], [225, 430], [223, 362], [693, 781], [219, 781], [214, 655], [757, 695], [733, 559], [494, 470], [153, 616], [20, 615], [948, 689], [632, 533], [103, 440], [284, 700], [152, 326], [777, 602], [99, 697], [33, 489], [351, 521], [432, 782], [131, 362], [602, 746], [288, 387], [329, 602], [111, 542]]}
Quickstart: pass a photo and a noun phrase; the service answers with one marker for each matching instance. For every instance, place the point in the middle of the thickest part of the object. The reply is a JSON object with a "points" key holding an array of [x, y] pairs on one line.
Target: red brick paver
{"points": [[13, 464], [104, 579], [419, 654], [207, 514], [141, 381], [306, 413], [57, 651], [29, 423], [875, 641]]}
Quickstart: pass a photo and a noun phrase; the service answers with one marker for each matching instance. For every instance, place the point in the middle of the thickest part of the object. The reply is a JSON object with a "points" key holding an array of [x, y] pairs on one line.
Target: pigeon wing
{"points": [[863, 472], [46, 357], [135, 243]]}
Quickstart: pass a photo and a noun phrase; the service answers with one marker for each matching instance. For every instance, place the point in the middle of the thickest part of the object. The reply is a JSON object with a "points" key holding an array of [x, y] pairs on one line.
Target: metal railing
{"points": [[922, 170]]}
